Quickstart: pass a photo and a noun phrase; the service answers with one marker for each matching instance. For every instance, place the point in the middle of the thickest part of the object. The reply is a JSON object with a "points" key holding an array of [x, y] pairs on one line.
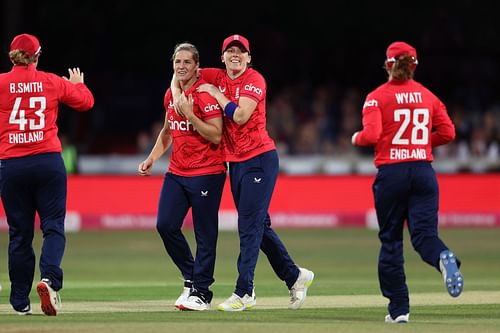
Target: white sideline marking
{"points": [[340, 301]]}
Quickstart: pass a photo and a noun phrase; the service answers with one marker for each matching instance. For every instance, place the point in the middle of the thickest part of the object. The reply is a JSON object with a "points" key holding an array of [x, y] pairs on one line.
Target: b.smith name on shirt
{"points": [[25, 87]]}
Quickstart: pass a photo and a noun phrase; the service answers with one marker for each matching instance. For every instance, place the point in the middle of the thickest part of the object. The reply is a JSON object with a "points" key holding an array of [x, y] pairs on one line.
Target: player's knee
{"points": [[167, 229]]}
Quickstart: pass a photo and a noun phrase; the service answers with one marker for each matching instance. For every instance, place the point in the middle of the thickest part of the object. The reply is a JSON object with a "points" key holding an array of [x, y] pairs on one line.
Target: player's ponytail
{"points": [[20, 57], [402, 68]]}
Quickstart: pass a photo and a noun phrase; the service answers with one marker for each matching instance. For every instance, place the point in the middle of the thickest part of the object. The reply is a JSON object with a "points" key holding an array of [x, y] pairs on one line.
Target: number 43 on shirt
{"points": [[18, 116]]}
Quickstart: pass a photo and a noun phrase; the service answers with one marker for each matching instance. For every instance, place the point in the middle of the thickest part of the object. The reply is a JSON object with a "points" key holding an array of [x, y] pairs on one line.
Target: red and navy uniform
{"points": [[404, 120], [29, 107], [242, 142], [195, 179], [253, 170], [32, 174]]}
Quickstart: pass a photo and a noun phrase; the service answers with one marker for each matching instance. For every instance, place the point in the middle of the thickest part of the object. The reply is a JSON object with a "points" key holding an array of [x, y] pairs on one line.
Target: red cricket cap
{"points": [[397, 49], [27, 43], [235, 39]]}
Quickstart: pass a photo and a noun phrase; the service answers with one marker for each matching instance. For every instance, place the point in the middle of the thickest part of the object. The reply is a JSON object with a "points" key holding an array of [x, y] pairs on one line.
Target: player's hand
{"points": [[75, 76], [176, 108], [145, 167], [353, 138], [185, 105]]}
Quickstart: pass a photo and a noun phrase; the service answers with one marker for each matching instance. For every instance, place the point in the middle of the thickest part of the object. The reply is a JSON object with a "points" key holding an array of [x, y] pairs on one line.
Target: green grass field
{"points": [[123, 281]]}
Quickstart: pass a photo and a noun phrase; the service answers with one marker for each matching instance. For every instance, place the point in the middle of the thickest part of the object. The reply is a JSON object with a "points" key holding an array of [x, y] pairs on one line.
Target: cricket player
{"points": [[32, 173], [403, 120], [195, 179], [253, 169]]}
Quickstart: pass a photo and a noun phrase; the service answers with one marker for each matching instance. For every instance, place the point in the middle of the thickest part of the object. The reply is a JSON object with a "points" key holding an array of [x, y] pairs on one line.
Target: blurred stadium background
{"points": [[319, 64]]}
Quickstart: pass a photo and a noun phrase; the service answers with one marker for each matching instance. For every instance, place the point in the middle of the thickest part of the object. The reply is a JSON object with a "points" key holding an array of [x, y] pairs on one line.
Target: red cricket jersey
{"points": [[193, 155], [242, 142], [404, 120], [29, 101]]}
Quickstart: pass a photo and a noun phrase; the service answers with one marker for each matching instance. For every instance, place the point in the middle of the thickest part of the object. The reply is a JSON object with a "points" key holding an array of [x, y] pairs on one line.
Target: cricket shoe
{"points": [[49, 298], [188, 285], [453, 279], [401, 319], [237, 303], [26, 311], [298, 292], [197, 301]]}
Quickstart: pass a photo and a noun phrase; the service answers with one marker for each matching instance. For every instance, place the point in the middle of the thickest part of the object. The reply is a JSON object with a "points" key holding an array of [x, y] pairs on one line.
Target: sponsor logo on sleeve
{"points": [[211, 107], [371, 102], [250, 87]]}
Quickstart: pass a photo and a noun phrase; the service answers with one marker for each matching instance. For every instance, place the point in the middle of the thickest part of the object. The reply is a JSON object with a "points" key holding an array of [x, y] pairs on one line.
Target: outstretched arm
{"points": [[75, 93]]}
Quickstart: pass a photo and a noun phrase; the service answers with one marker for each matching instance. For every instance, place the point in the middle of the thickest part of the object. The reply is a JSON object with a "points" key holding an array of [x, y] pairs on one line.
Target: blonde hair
{"points": [[20, 57], [187, 47]]}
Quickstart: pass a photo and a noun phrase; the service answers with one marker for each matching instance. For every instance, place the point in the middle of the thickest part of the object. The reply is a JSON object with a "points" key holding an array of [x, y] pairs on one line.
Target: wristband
{"points": [[229, 109]]}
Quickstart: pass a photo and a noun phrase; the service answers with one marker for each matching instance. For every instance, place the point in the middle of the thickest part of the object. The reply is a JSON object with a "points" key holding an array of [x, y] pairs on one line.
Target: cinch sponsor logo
{"points": [[183, 125], [251, 87], [371, 102], [211, 107]]}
